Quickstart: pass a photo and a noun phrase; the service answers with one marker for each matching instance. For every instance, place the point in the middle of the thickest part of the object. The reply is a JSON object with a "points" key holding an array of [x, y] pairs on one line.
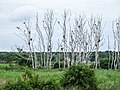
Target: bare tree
{"points": [[72, 45], [84, 39], [114, 49], [27, 37], [66, 17], [109, 56], [41, 41], [48, 25], [95, 25], [59, 53], [116, 32], [78, 29]]}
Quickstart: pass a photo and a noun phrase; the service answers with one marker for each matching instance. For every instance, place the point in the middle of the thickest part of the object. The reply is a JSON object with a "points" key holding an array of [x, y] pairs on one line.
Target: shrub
{"points": [[28, 81], [104, 63], [15, 67], [56, 65], [80, 77]]}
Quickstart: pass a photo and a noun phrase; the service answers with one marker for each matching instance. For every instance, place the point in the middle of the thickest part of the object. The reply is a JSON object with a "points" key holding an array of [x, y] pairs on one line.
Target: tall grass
{"points": [[106, 79]]}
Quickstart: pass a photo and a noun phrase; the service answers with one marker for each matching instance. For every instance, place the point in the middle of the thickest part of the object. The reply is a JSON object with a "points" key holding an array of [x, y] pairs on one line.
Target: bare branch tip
{"points": [[18, 27]]}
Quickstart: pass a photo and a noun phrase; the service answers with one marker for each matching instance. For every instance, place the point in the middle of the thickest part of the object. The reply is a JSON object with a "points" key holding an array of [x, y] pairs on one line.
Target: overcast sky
{"points": [[13, 12]]}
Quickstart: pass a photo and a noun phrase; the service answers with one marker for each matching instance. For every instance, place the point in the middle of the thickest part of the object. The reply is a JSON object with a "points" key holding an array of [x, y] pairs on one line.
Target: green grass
{"points": [[55, 75], [44, 74], [3, 66], [106, 79], [8, 75]]}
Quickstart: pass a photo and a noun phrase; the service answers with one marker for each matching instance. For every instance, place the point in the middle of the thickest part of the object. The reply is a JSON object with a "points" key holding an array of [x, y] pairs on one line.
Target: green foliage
{"points": [[81, 77], [7, 57], [104, 63], [28, 81], [22, 59], [12, 67], [108, 79], [56, 65]]}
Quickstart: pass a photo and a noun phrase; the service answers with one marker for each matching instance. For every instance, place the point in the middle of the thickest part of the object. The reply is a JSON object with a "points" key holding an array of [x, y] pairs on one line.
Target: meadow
{"points": [[106, 79]]}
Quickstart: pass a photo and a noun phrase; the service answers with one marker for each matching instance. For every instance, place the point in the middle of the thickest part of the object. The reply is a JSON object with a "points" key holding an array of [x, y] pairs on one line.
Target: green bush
{"points": [[81, 77], [29, 81], [56, 65], [104, 63]]}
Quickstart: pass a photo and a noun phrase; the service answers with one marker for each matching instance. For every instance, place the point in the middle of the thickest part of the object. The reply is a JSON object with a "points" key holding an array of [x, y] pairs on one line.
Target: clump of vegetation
{"points": [[106, 79], [80, 77], [29, 81], [104, 63]]}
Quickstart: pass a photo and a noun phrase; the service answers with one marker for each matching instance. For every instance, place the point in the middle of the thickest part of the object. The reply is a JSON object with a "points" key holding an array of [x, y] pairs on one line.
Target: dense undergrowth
{"points": [[55, 79]]}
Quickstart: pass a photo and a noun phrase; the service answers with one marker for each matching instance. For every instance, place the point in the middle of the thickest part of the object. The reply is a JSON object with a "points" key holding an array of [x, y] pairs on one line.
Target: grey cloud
{"points": [[22, 12], [13, 11]]}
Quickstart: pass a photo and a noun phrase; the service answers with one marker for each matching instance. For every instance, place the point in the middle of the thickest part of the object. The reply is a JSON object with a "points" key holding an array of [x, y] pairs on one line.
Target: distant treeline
{"points": [[22, 59], [12, 56]]}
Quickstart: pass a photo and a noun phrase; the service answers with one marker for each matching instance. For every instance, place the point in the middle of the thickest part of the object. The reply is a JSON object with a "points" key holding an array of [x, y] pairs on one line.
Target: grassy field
{"points": [[106, 79]]}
